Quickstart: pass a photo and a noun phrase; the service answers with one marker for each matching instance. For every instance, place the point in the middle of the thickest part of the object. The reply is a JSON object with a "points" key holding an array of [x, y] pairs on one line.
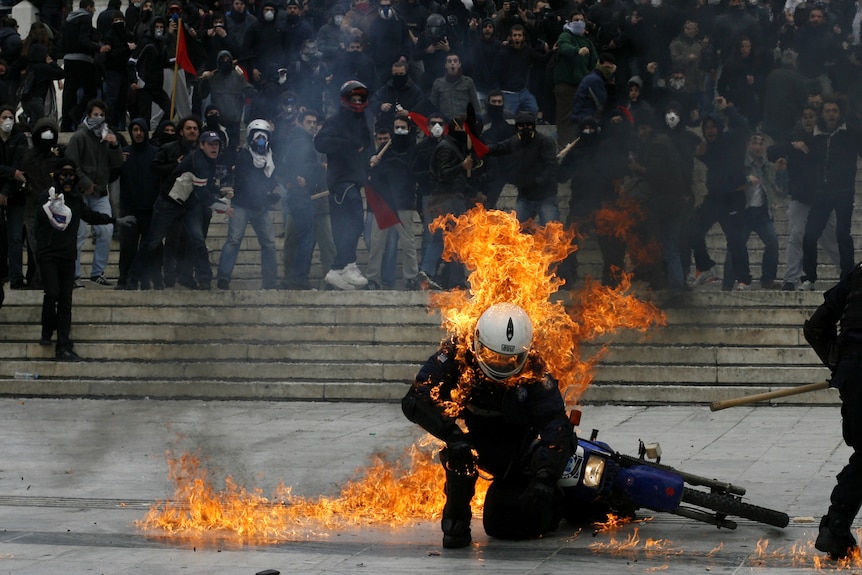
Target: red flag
{"points": [[385, 216], [182, 54], [478, 145], [420, 121]]}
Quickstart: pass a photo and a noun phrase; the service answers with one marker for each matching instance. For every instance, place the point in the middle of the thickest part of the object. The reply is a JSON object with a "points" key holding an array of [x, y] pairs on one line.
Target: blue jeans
{"points": [[165, 213], [347, 214], [261, 221], [101, 234], [437, 205], [842, 204], [759, 221], [301, 209], [521, 101], [544, 210]]}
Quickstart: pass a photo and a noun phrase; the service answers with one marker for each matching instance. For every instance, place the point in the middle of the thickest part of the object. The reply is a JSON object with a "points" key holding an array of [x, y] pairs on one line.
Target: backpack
{"points": [[25, 88]]}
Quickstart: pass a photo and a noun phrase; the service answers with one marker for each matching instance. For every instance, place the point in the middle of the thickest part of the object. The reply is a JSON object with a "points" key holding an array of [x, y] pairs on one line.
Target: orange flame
{"points": [[806, 555], [387, 492], [508, 263]]}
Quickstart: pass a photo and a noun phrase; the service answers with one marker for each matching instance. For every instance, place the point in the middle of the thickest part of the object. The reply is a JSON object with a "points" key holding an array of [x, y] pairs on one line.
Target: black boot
{"points": [[834, 537], [456, 533]]}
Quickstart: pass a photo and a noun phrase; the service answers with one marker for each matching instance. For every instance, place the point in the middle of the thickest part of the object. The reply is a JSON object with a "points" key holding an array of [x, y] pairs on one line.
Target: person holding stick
{"points": [[841, 351]]}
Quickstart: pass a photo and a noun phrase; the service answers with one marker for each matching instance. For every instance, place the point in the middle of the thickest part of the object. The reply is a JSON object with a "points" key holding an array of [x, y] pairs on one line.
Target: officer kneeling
{"points": [[517, 429]]}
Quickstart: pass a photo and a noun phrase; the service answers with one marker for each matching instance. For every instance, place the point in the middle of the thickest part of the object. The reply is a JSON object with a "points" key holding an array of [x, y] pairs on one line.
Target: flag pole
{"points": [[176, 68]]}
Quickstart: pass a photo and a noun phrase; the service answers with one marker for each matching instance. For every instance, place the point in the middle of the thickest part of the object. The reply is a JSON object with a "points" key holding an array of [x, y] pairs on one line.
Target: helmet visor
{"points": [[498, 365]]}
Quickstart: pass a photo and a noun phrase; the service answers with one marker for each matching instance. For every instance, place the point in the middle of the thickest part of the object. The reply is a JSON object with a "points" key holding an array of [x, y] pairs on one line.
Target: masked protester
{"points": [[56, 232], [346, 141], [38, 163], [534, 173], [228, 90], [255, 191], [516, 428]]}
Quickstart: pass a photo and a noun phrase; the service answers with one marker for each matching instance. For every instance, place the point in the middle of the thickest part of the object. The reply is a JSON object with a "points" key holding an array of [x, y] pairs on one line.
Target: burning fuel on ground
{"points": [[506, 263]]}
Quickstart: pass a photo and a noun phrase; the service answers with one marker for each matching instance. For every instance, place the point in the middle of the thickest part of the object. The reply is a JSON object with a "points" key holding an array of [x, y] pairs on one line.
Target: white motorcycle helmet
{"points": [[502, 340]]}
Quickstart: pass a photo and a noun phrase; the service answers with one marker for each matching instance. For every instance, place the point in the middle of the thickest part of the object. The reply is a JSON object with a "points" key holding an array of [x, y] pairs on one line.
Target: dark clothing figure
{"points": [[139, 188], [520, 433], [42, 79], [80, 48], [835, 333]]}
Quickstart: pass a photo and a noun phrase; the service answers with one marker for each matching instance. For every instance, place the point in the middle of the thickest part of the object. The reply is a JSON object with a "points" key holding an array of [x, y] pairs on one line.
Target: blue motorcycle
{"points": [[599, 480]]}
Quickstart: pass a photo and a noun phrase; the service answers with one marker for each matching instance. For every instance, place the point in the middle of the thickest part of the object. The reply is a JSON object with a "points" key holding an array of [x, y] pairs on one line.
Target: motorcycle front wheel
{"points": [[730, 505]]}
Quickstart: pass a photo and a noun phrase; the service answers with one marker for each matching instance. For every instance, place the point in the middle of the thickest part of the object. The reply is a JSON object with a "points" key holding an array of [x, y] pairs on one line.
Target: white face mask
{"points": [[436, 130], [671, 119], [6, 125], [158, 32], [402, 131], [338, 19], [269, 16]]}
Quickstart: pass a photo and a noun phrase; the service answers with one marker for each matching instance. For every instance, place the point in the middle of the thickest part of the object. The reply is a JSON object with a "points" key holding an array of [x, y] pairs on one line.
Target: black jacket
{"points": [[346, 141], [79, 36], [534, 165], [253, 188], [63, 244], [139, 183]]}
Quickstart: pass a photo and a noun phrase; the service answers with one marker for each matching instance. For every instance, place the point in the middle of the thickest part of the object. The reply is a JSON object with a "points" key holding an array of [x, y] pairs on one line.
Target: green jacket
{"points": [[571, 67]]}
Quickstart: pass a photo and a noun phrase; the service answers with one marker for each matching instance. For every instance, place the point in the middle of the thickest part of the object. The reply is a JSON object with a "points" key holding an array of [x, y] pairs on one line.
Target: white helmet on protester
{"points": [[502, 340], [258, 134]]}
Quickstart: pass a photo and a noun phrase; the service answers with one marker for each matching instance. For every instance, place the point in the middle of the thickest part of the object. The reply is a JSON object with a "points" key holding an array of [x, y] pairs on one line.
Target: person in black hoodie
{"points": [[80, 48], [116, 71], [139, 188], [12, 199], [57, 249], [38, 163], [44, 71], [255, 191], [147, 76]]}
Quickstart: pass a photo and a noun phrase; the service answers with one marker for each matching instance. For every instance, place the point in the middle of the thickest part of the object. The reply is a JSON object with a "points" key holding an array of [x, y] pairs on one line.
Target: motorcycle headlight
{"points": [[593, 471]]}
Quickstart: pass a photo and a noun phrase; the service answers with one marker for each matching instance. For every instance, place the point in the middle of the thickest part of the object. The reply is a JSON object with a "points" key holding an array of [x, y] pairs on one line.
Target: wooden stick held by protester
{"points": [[748, 399], [567, 148]]}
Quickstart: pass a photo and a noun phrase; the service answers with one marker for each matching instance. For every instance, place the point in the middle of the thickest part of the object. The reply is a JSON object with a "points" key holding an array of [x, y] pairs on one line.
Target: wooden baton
{"points": [[745, 400]]}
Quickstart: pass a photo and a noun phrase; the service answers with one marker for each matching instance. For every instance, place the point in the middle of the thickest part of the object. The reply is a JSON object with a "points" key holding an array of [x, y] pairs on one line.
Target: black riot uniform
{"points": [[519, 432], [841, 351]]}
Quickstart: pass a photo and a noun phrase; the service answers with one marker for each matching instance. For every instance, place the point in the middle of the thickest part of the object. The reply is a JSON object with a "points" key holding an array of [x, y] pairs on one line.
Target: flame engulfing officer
{"points": [[516, 427], [841, 351]]}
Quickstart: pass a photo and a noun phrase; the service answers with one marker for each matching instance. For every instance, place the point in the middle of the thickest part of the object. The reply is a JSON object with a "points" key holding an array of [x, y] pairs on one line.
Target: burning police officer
{"points": [[841, 352], [516, 427]]}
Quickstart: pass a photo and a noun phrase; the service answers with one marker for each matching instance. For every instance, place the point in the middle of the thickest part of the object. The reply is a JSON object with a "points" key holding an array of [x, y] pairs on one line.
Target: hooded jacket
{"points": [[79, 42], [95, 158], [228, 91], [38, 162], [139, 183], [63, 244], [44, 74]]}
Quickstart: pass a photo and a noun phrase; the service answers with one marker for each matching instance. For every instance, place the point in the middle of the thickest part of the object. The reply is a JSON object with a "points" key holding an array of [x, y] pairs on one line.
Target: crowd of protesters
{"points": [[356, 117]]}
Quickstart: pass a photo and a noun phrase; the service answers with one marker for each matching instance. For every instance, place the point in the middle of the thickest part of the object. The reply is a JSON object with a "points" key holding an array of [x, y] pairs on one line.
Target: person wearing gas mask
{"points": [[432, 47], [534, 171], [57, 223], [255, 190], [227, 89], [515, 423], [185, 197], [388, 39], [96, 151], [310, 78], [147, 74], [346, 141]]}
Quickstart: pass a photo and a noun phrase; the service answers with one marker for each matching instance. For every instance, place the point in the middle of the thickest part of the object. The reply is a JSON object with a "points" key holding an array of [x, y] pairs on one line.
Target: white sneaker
{"points": [[704, 277], [353, 276], [806, 286], [335, 278]]}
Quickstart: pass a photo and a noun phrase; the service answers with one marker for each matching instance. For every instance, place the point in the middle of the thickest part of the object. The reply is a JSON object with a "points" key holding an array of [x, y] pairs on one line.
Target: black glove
{"points": [[538, 497], [458, 456], [126, 221]]}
